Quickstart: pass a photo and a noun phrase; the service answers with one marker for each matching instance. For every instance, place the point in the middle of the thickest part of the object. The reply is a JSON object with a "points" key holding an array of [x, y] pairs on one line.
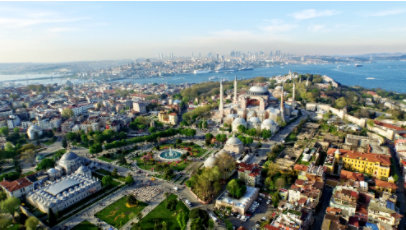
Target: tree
{"points": [[226, 164], [181, 218], [4, 222], [10, 205], [280, 182], [64, 143], [340, 103], [107, 181], [95, 148], [129, 179], [272, 169], [241, 129], [208, 137], [266, 134], [45, 164], [131, 200], [114, 172], [31, 223], [67, 113], [236, 188], [4, 131], [164, 225]]}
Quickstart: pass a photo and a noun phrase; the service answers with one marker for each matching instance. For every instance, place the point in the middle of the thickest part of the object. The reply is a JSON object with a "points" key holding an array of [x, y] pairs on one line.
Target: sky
{"points": [[81, 31]]}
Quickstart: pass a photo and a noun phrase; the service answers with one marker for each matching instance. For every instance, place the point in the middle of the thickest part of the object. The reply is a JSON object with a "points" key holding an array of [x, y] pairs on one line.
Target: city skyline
{"points": [[82, 31]]}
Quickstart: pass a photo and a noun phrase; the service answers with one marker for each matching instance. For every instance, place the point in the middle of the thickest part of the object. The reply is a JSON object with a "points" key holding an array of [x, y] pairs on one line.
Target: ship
{"points": [[358, 65], [245, 69], [201, 71], [212, 78]]}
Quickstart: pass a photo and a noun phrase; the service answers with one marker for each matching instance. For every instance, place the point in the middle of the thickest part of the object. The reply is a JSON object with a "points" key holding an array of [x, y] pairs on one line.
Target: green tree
{"points": [[129, 179], [67, 113], [340, 103], [10, 205], [4, 131], [114, 172], [4, 222], [181, 218], [241, 129], [266, 134], [45, 164], [107, 181], [131, 200], [208, 137], [236, 188], [31, 223], [64, 143]]}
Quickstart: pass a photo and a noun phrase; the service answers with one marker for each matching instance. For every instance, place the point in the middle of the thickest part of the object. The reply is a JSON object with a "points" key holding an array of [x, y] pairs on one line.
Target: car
{"points": [[238, 216], [257, 226], [263, 218], [268, 201]]}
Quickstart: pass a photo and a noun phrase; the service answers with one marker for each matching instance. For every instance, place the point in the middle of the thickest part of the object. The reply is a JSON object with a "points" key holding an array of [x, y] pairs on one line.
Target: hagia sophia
{"points": [[256, 108]]}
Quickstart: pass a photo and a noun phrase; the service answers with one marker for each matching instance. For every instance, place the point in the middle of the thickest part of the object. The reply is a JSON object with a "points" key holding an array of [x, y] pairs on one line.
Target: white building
{"points": [[65, 192], [34, 131]]}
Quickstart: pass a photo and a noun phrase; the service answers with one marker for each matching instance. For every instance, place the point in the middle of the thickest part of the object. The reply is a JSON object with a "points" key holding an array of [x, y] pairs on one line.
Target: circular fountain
{"points": [[170, 154]]}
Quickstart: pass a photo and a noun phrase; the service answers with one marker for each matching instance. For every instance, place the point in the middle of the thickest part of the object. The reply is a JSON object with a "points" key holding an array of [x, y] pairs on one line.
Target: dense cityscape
{"points": [[202, 116]]}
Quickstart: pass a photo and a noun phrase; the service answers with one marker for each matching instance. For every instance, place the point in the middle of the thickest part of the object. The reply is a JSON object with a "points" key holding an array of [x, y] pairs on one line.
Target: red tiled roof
{"points": [[270, 227], [12, 186], [385, 184], [389, 126], [347, 175], [299, 167], [370, 157]]}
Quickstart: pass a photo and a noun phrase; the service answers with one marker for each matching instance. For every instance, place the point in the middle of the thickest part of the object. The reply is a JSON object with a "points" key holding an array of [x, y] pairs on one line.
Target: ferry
{"points": [[358, 65], [201, 71], [212, 78]]}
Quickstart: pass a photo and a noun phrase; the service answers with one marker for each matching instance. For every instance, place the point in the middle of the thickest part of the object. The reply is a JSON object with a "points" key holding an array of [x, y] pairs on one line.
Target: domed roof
{"points": [[255, 120], [269, 122], [69, 156], [210, 162], [52, 171], [233, 141], [269, 125], [239, 121], [258, 90], [83, 170]]}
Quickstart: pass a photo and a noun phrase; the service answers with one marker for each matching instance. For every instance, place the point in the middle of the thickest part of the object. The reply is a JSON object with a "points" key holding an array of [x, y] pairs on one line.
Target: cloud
{"points": [[387, 13], [317, 28], [277, 26], [62, 29], [313, 13], [11, 22]]}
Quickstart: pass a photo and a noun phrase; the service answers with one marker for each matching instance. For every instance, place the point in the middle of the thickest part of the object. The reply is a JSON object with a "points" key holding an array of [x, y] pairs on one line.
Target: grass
{"points": [[85, 225], [161, 213], [118, 214], [105, 159]]}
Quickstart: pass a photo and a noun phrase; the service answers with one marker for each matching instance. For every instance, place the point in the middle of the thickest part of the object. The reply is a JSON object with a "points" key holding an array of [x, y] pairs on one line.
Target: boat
{"points": [[245, 69], [212, 78], [358, 65], [201, 71], [370, 78]]}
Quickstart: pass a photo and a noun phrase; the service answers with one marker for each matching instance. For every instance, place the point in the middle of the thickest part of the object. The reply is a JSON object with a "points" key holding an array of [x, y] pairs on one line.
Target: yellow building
{"points": [[376, 165], [171, 118]]}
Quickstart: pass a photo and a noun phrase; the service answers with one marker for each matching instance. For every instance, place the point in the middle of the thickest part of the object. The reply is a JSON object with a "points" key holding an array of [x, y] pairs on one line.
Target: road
{"points": [[321, 209], [400, 192]]}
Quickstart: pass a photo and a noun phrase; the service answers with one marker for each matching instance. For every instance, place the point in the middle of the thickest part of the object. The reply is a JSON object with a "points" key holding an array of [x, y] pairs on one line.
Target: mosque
{"points": [[64, 191], [256, 108]]}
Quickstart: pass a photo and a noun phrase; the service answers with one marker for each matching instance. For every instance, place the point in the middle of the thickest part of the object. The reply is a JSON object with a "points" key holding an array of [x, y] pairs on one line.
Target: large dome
{"points": [[239, 121], [210, 162], [258, 90], [69, 156], [233, 141]]}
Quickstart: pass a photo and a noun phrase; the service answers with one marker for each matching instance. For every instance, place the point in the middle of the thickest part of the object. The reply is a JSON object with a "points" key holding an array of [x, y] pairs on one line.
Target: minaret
{"points": [[235, 90], [290, 75], [282, 107], [307, 81], [221, 105], [293, 92]]}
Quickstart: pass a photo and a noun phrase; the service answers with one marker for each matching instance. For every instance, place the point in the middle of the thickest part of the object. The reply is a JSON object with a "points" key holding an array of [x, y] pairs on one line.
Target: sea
{"points": [[389, 75]]}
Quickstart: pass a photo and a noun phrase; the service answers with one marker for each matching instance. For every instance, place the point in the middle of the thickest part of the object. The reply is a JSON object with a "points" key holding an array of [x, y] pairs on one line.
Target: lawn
{"points": [[105, 159], [161, 213], [118, 214], [85, 225]]}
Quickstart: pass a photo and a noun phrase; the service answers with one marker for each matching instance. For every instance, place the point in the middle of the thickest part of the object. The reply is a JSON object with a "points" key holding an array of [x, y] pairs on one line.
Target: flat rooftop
{"points": [[61, 186]]}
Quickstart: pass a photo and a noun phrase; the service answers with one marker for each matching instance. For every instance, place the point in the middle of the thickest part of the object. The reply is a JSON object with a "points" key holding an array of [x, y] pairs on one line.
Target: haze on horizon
{"points": [[82, 31]]}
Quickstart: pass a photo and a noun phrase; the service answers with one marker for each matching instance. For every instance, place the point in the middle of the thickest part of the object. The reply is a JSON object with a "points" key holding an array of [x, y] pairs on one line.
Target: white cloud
{"points": [[62, 29], [317, 28], [10, 22], [313, 13], [277, 26], [388, 13]]}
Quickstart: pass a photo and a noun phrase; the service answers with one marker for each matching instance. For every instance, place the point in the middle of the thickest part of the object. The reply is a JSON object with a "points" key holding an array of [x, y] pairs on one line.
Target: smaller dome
{"points": [[83, 170], [52, 171], [255, 120], [239, 121], [210, 162], [234, 141]]}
